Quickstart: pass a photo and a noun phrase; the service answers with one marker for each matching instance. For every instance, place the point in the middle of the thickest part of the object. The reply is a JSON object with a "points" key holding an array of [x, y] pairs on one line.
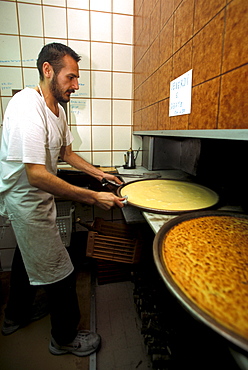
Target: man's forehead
{"points": [[70, 66]]}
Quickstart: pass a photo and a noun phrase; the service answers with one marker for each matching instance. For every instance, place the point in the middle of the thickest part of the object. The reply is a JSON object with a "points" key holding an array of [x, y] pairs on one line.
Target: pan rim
{"points": [[188, 304], [167, 211]]}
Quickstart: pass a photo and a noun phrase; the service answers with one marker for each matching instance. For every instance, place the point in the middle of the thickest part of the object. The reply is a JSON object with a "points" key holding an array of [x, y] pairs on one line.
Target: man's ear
{"points": [[47, 70]]}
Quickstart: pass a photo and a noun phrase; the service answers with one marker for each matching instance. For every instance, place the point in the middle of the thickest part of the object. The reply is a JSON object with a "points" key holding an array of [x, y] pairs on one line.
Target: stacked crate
{"points": [[115, 247]]}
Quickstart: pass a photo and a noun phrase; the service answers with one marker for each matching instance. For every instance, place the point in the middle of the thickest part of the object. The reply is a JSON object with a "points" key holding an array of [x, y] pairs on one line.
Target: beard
{"points": [[58, 93]]}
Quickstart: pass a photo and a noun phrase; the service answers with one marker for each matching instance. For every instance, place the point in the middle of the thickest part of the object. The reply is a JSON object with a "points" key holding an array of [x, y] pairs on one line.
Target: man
{"points": [[35, 134]]}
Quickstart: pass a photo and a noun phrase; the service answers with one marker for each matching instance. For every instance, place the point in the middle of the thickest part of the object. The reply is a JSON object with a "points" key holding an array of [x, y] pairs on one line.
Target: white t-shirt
{"points": [[33, 134]]}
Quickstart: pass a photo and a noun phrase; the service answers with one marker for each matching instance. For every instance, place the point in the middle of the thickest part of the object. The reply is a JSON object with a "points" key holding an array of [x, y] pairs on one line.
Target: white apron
{"points": [[32, 212]]}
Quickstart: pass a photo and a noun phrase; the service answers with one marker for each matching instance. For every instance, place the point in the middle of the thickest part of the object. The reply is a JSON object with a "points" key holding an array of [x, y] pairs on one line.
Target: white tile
{"points": [[31, 77], [1, 120], [100, 26], [31, 47], [8, 17], [82, 48], [101, 84], [79, 4], [85, 155], [122, 85], [122, 112], [31, 1], [121, 137], [101, 56], [100, 5], [101, 111], [10, 79], [10, 50], [49, 40], [52, 28], [122, 29], [79, 111], [102, 159], [125, 7], [82, 137], [30, 19], [5, 102], [118, 157], [122, 58], [78, 24], [84, 85], [101, 137], [55, 2], [137, 142]]}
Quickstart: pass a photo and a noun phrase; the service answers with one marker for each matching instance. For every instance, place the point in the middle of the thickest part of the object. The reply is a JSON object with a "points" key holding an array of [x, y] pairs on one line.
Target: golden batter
{"points": [[169, 195]]}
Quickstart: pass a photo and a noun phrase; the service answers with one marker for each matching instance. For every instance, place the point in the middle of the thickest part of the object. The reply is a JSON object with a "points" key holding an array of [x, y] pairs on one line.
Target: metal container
{"points": [[165, 153], [189, 305], [123, 191]]}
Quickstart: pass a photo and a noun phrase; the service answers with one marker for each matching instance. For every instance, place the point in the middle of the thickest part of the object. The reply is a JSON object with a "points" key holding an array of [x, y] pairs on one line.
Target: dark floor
{"points": [[27, 348], [117, 322]]}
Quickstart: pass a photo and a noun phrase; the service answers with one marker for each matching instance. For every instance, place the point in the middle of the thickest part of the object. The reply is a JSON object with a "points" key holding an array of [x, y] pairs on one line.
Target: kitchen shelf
{"points": [[211, 134]]}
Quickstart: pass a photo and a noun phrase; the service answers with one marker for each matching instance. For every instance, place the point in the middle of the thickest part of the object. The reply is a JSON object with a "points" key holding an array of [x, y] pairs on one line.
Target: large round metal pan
{"points": [[174, 288], [176, 188]]}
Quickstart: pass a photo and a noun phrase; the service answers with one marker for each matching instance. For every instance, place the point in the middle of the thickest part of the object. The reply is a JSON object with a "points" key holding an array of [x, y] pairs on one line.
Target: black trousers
{"points": [[62, 299]]}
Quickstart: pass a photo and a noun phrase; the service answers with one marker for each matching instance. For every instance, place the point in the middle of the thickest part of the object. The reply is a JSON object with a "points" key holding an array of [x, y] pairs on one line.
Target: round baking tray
{"points": [[192, 308], [121, 192]]}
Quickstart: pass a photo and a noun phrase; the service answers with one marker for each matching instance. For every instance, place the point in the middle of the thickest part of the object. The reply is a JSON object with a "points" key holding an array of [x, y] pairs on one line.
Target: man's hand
{"points": [[108, 200], [113, 178]]}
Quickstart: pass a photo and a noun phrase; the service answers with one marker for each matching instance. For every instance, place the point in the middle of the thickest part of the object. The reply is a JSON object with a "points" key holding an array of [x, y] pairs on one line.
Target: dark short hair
{"points": [[53, 54]]}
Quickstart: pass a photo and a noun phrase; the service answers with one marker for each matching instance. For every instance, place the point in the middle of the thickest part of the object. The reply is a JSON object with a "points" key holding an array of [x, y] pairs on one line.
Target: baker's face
{"points": [[66, 82]]}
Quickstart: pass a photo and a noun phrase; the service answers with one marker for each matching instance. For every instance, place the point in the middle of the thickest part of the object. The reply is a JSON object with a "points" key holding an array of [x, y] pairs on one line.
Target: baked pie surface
{"points": [[207, 257]]}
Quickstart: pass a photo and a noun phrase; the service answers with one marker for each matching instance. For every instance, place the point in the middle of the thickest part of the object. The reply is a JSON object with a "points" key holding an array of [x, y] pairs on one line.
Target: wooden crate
{"points": [[114, 229], [114, 242], [113, 248], [112, 272]]}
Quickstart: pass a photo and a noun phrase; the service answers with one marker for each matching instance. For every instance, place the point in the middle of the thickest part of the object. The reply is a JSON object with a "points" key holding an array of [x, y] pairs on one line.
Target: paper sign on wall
{"points": [[180, 95]]}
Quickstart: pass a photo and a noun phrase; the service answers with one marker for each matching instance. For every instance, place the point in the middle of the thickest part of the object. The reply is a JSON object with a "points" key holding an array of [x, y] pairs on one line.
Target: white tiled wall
{"points": [[100, 112]]}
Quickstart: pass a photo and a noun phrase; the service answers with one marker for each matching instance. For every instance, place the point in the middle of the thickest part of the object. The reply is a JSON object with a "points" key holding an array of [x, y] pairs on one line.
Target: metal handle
{"points": [[125, 200]]}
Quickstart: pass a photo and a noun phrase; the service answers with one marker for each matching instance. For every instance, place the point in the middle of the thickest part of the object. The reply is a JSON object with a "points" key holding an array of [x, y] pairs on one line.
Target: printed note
{"points": [[180, 95]]}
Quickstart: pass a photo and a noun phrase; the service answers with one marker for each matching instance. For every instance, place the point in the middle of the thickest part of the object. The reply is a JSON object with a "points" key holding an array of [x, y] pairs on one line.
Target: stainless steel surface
{"points": [[160, 153], [170, 153], [156, 221], [173, 287], [144, 175], [215, 134], [133, 176], [140, 170], [106, 182]]}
